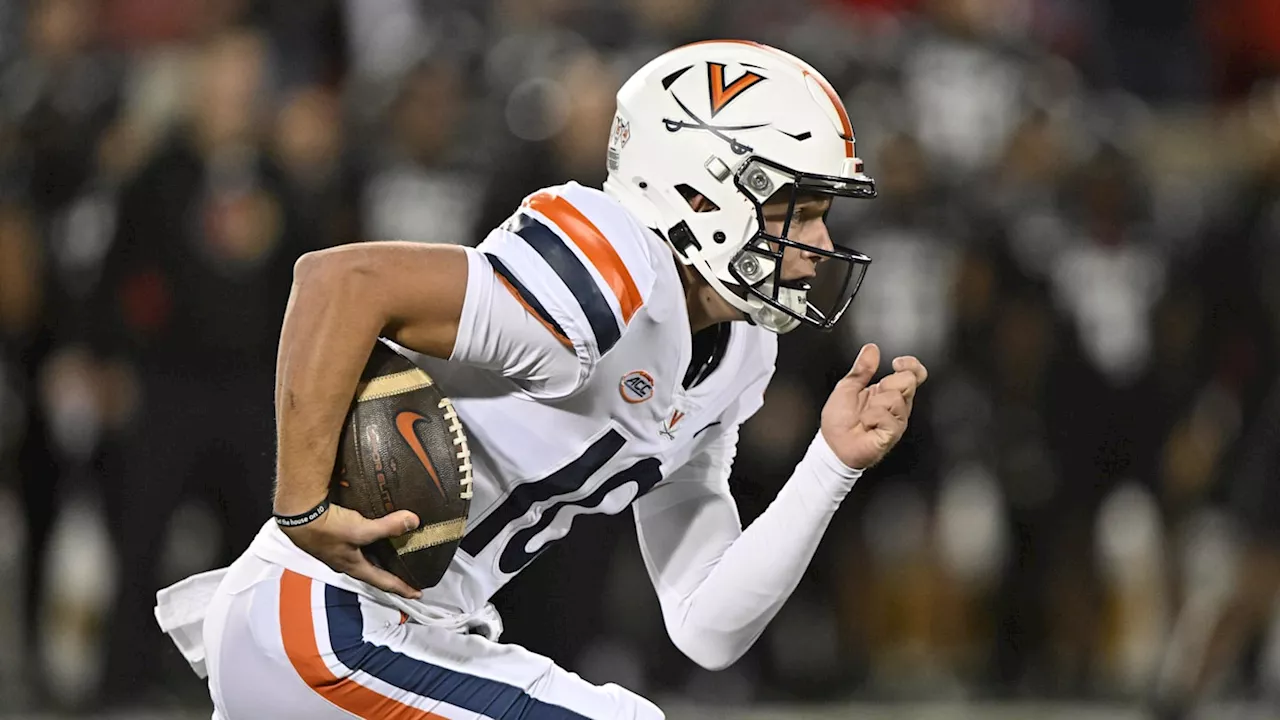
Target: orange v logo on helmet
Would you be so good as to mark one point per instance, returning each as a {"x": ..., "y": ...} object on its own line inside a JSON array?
[
  {"x": 721, "y": 94},
  {"x": 404, "y": 423}
]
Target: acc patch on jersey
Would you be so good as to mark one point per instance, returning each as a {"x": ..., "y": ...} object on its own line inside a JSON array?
[{"x": 636, "y": 386}]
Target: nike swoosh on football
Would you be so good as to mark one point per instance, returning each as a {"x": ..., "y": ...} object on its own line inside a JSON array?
[{"x": 404, "y": 423}]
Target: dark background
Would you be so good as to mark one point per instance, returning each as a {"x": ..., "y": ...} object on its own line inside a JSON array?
[{"x": 1078, "y": 231}]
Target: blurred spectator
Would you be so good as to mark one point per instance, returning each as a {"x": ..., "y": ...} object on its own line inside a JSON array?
[
  {"x": 964, "y": 86},
  {"x": 27, "y": 446},
  {"x": 906, "y": 305},
  {"x": 572, "y": 113},
  {"x": 1231, "y": 437},
  {"x": 1108, "y": 280},
  {"x": 424, "y": 185},
  {"x": 319, "y": 187},
  {"x": 192, "y": 296},
  {"x": 60, "y": 97}
]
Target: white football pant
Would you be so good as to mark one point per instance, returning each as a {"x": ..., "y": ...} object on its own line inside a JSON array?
[{"x": 281, "y": 645}]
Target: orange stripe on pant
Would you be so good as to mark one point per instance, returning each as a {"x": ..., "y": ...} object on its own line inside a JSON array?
[
  {"x": 298, "y": 631},
  {"x": 594, "y": 245}
]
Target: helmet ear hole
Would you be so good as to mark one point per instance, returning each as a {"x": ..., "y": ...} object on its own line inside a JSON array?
[{"x": 697, "y": 201}]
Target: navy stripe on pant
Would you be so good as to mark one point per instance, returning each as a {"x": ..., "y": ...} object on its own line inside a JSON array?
[{"x": 489, "y": 697}]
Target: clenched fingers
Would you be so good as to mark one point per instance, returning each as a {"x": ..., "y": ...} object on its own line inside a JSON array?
[
  {"x": 892, "y": 402},
  {"x": 874, "y": 418},
  {"x": 908, "y": 363},
  {"x": 903, "y": 384}
]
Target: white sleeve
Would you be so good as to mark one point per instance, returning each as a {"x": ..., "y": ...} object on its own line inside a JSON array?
[
  {"x": 500, "y": 333},
  {"x": 552, "y": 291},
  {"x": 719, "y": 586}
]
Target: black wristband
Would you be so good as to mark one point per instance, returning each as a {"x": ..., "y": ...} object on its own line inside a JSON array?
[{"x": 307, "y": 517}]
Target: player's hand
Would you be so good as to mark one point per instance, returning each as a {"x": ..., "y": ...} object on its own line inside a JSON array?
[
  {"x": 861, "y": 423},
  {"x": 336, "y": 537}
]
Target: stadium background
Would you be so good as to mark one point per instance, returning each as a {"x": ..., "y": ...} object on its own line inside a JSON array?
[{"x": 1078, "y": 231}]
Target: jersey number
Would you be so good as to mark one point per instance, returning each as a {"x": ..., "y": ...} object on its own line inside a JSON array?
[{"x": 566, "y": 481}]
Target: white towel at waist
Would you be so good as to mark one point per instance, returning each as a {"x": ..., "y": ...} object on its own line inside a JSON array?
[{"x": 181, "y": 608}]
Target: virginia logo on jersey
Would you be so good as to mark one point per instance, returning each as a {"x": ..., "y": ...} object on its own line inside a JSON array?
[
  {"x": 636, "y": 386},
  {"x": 668, "y": 430}
]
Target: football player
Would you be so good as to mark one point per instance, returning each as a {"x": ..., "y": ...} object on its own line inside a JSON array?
[{"x": 591, "y": 348}]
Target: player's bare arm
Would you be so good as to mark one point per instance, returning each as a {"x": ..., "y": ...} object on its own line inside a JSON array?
[{"x": 341, "y": 301}]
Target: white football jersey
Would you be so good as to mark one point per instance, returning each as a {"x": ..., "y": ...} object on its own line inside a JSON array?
[{"x": 585, "y": 412}]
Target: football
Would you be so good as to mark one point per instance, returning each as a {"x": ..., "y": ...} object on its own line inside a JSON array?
[{"x": 403, "y": 448}]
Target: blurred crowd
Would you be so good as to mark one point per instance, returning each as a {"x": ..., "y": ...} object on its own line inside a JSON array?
[{"x": 1078, "y": 231}]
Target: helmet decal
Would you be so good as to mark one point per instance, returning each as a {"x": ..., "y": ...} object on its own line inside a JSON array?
[
  {"x": 696, "y": 123},
  {"x": 722, "y": 95}
]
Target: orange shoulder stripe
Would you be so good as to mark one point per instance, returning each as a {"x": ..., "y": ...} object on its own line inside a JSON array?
[{"x": 594, "y": 245}]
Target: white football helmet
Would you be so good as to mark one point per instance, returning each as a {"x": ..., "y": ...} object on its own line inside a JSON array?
[{"x": 737, "y": 122}]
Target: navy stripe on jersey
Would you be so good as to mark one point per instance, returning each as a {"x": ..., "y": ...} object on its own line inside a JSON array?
[
  {"x": 525, "y": 295},
  {"x": 567, "y": 479},
  {"x": 490, "y": 698},
  {"x": 575, "y": 276}
]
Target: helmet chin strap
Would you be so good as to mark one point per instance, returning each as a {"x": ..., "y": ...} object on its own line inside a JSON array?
[
  {"x": 770, "y": 318},
  {"x": 756, "y": 310}
]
